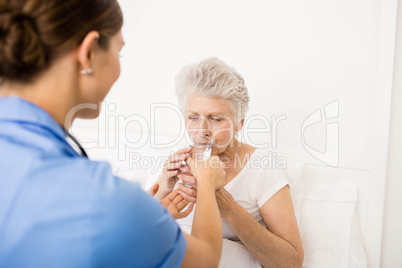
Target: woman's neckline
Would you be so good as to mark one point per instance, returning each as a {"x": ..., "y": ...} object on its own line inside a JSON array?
[{"x": 235, "y": 178}]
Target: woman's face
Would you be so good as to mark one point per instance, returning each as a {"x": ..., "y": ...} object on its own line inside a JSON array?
[{"x": 210, "y": 117}]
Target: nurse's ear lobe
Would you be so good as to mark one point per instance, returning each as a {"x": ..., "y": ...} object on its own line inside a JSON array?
[{"x": 85, "y": 51}]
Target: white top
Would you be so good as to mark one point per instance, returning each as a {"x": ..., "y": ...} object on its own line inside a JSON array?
[{"x": 255, "y": 184}]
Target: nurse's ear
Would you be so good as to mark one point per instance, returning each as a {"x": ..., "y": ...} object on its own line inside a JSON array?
[{"x": 85, "y": 52}]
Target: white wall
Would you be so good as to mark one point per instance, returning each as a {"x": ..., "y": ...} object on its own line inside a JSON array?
[
  {"x": 392, "y": 256},
  {"x": 296, "y": 57}
]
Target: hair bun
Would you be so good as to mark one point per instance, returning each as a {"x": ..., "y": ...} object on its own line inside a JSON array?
[{"x": 22, "y": 52}]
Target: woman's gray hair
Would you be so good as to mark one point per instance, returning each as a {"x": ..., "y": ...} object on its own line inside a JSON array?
[{"x": 213, "y": 78}]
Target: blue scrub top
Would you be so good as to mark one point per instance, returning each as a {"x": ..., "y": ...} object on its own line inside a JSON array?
[{"x": 58, "y": 209}]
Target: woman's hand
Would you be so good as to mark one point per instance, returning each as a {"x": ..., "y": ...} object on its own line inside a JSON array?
[
  {"x": 189, "y": 194},
  {"x": 168, "y": 178},
  {"x": 186, "y": 175},
  {"x": 174, "y": 203},
  {"x": 226, "y": 202}
]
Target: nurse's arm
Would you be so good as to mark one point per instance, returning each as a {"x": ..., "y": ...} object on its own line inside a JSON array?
[{"x": 204, "y": 245}]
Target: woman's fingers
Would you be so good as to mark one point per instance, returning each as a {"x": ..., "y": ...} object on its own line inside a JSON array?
[
  {"x": 184, "y": 150},
  {"x": 189, "y": 191},
  {"x": 187, "y": 178},
  {"x": 187, "y": 197},
  {"x": 183, "y": 193},
  {"x": 172, "y": 173},
  {"x": 185, "y": 169},
  {"x": 180, "y": 155},
  {"x": 173, "y": 166},
  {"x": 177, "y": 157}
]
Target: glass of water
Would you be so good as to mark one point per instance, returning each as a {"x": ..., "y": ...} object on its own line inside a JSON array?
[{"x": 201, "y": 151}]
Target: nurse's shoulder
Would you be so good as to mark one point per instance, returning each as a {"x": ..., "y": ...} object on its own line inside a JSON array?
[{"x": 120, "y": 215}]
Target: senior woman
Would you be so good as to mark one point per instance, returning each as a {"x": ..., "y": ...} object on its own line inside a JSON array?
[
  {"x": 58, "y": 208},
  {"x": 255, "y": 203}
]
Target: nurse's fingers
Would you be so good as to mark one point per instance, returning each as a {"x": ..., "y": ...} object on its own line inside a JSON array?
[
  {"x": 187, "y": 211},
  {"x": 182, "y": 205},
  {"x": 173, "y": 195},
  {"x": 178, "y": 198},
  {"x": 154, "y": 189}
]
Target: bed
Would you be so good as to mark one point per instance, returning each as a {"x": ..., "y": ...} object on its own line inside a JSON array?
[{"x": 331, "y": 207}]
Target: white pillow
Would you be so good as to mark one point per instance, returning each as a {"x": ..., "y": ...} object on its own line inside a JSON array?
[
  {"x": 326, "y": 230},
  {"x": 357, "y": 255},
  {"x": 235, "y": 254}
]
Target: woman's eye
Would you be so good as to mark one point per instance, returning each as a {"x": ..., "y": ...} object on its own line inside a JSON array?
[{"x": 216, "y": 119}]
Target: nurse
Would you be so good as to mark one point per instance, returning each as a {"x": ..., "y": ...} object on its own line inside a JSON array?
[{"x": 57, "y": 208}]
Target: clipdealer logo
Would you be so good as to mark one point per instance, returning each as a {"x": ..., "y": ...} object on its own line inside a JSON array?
[{"x": 328, "y": 117}]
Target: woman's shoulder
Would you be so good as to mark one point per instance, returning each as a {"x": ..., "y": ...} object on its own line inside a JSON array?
[
  {"x": 265, "y": 164},
  {"x": 248, "y": 148}
]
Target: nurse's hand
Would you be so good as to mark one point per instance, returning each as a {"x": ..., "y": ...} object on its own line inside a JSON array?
[
  {"x": 211, "y": 171},
  {"x": 168, "y": 178},
  {"x": 154, "y": 189},
  {"x": 174, "y": 203}
]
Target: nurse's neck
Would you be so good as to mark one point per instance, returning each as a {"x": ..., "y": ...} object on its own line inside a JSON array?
[{"x": 54, "y": 90}]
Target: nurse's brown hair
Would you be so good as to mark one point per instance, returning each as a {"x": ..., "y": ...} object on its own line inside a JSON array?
[{"x": 34, "y": 33}]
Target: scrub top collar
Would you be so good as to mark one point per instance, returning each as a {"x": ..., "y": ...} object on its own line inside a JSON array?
[{"x": 16, "y": 109}]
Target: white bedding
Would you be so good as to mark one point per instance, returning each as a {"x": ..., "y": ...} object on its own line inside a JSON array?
[
  {"x": 235, "y": 254},
  {"x": 328, "y": 224}
]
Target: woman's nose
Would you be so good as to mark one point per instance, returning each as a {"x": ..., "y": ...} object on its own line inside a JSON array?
[{"x": 204, "y": 127}]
